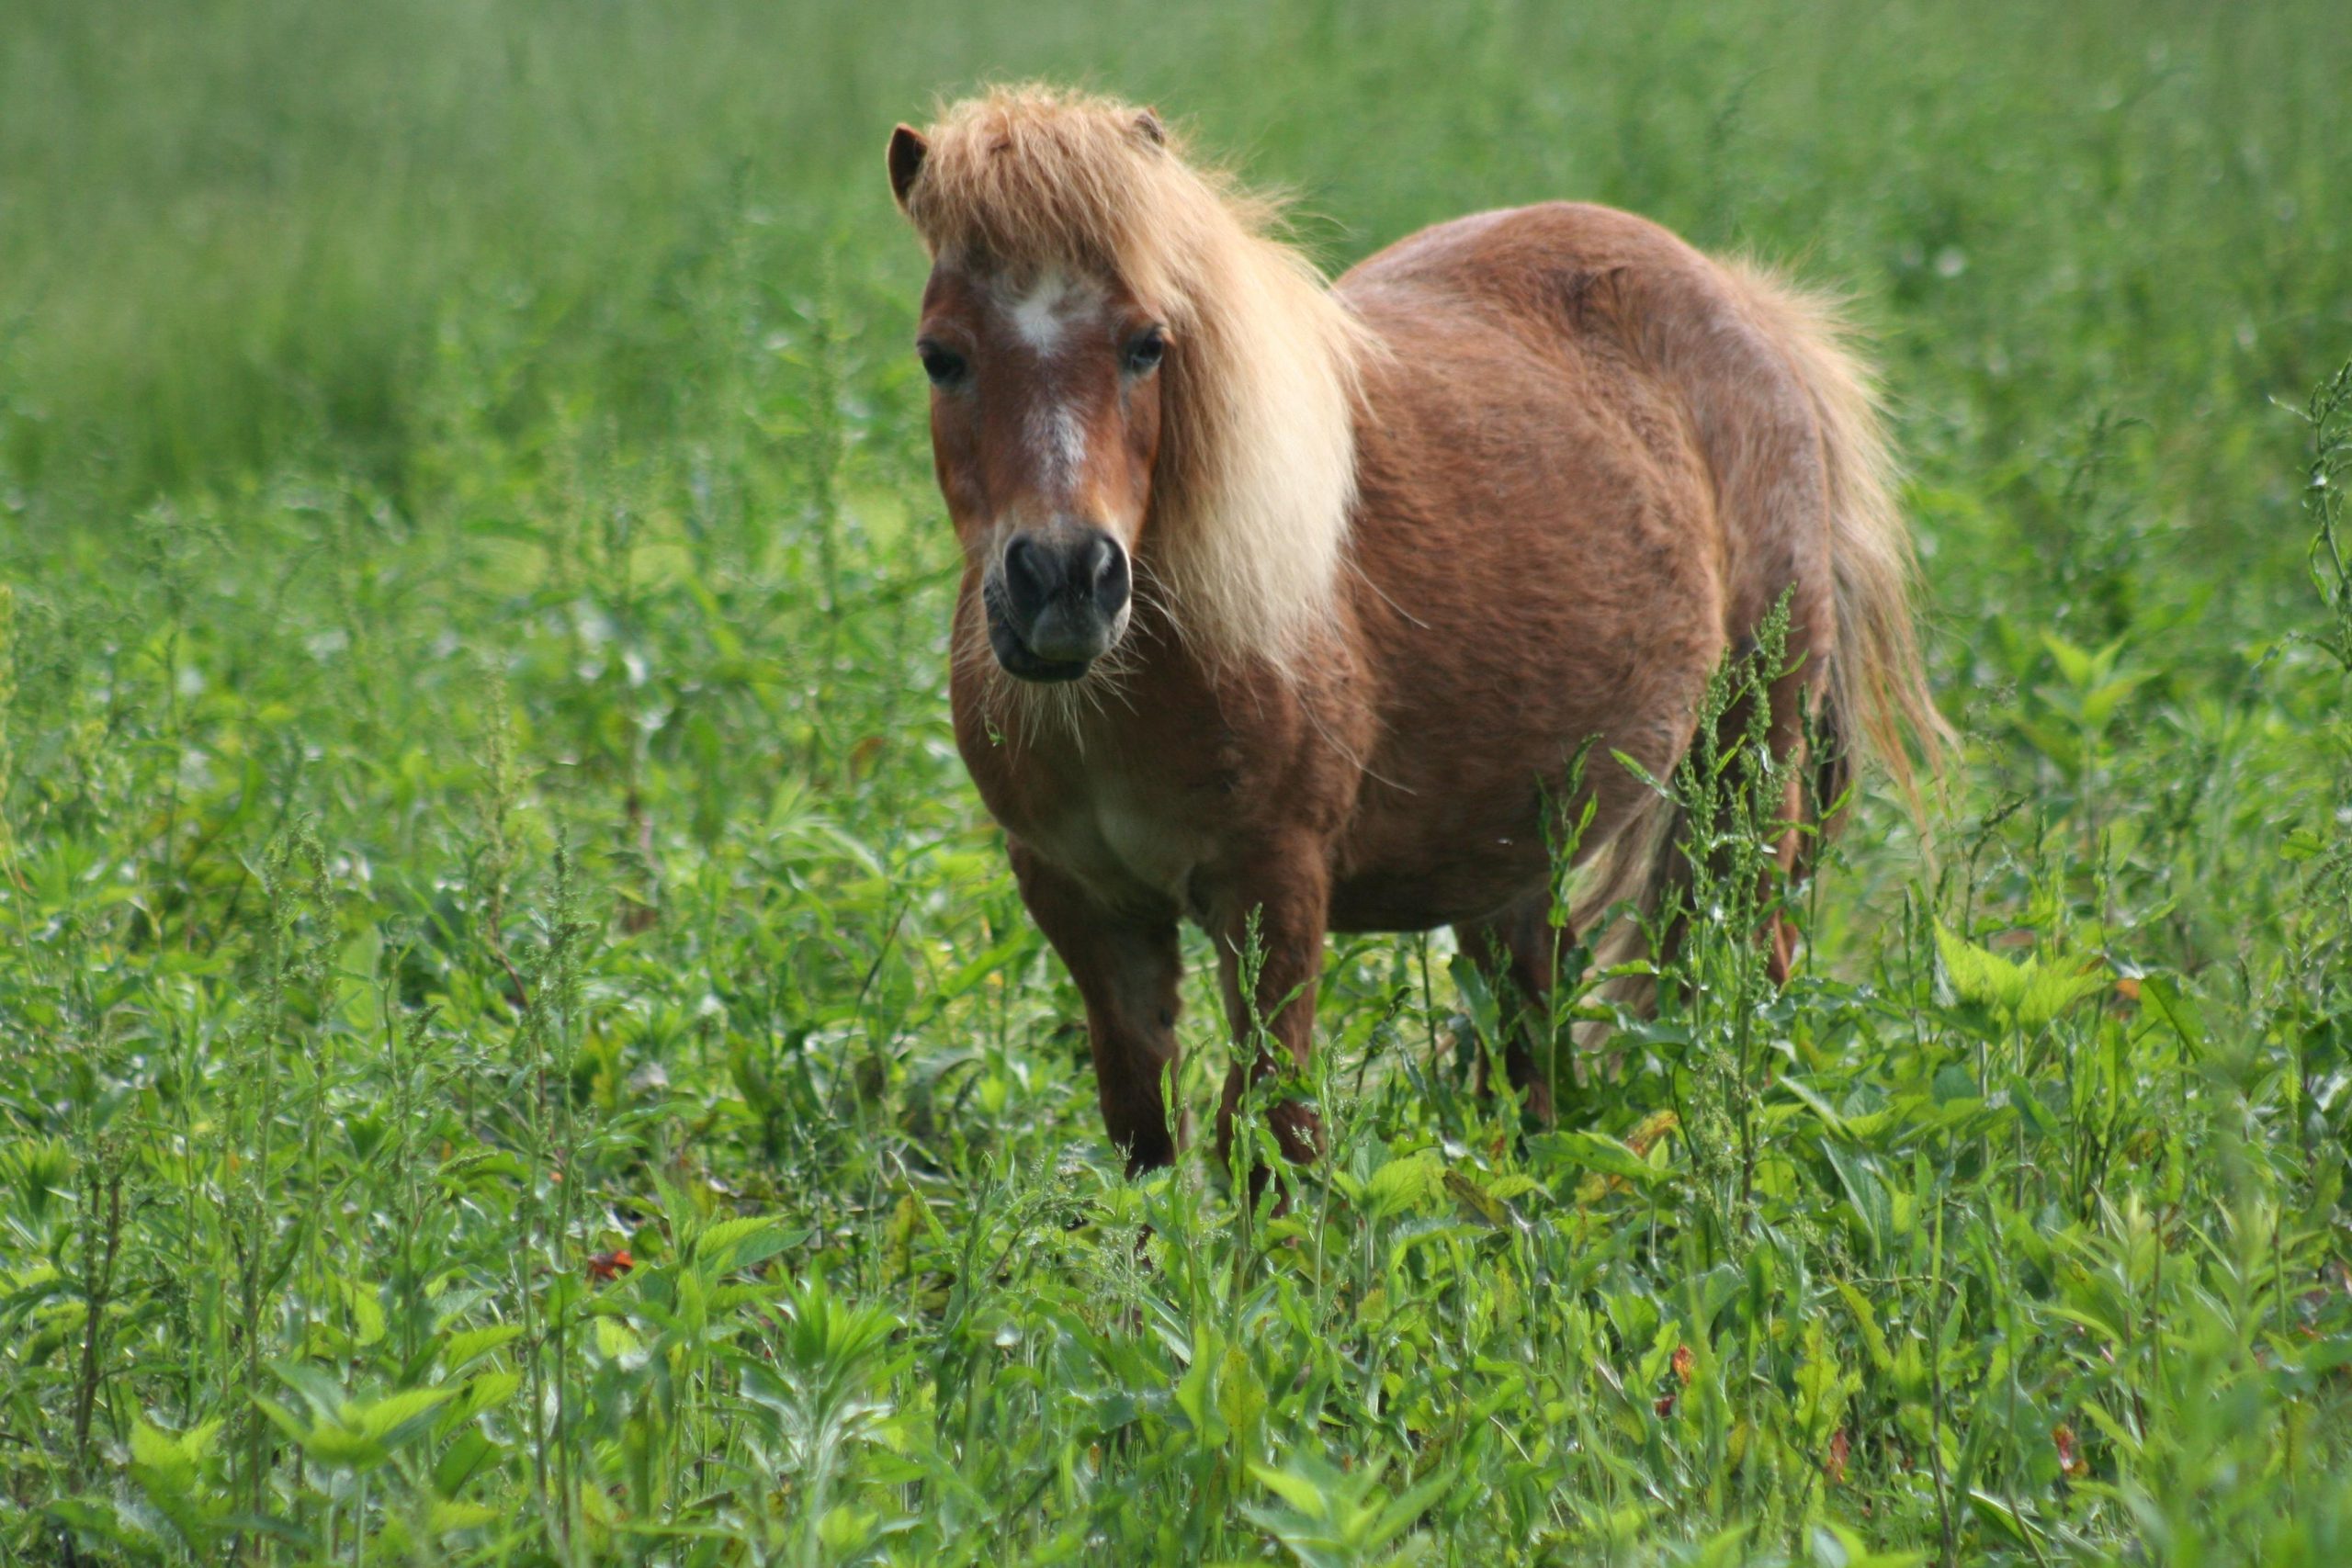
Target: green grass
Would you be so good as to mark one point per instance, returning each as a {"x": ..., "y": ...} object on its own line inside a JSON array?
[{"x": 476, "y": 798}]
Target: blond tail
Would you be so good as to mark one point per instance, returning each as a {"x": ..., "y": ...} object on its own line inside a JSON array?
[{"x": 1877, "y": 704}]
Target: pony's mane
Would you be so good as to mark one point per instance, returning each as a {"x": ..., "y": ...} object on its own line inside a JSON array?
[{"x": 1256, "y": 472}]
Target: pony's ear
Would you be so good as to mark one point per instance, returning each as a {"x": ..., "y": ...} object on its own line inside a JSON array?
[
  {"x": 907, "y": 151},
  {"x": 1147, "y": 126}
]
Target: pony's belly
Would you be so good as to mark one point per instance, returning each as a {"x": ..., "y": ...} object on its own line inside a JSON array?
[{"x": 1468, "y": 881}]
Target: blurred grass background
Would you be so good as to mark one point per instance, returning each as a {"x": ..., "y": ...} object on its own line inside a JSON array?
[{"x": 235, "y": 233}]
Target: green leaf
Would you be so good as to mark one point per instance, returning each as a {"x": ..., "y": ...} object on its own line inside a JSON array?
[
  {"x": 344, "y": 1448},
  {"x": 1995, "y": 1511},
  {"x": 165, "y": 1462},
  {"x": 2051, "y": 988},
  {"x": 2027, "y": 1097},
  {"x": 2175, "y": 1007},
  {"x": 367, "y": 1312},
  {"x": 719, "y": 1246},
  {"x": 1866, "y": 1193},
  {"x": 106, "y": 1523},
  {"x": 1195, "y": 1391},
  {"x": 1979, "y": 974},
  {"x": 2077, "y": 665},
  {"x": 1599, "y": 1151},
  {"x": 1866, "y": 1321},
  {"x": 1817, "y": 1105},
  {"x": 483, "y": 1393},
  {"x": 463, "y": 1348},
  {"x": 282, "y": 1418},
  {"x": 1293, "y": 1488},
  {"x": 152, "y": 1446},
  {"x": 1474, "y": 1200},
  {"x": 1399, "y": 1516},
  {"x": 463, "y": 1458},
  {"x": 399, "y": 1418},
  {"x": 447, "y": 1516},
  {"x": 1409, "y": 1181}
]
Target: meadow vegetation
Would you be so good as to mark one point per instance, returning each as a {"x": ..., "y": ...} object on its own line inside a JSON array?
[{"x": 517, "y": 1043}]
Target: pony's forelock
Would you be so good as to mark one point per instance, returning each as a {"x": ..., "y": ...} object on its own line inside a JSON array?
[{"x": 1256, "y": 474}]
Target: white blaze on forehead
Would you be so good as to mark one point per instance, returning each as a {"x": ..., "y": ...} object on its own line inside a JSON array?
[
  {"x": 1059, "y": 436},
  {"x": 1042, "y": 314}
]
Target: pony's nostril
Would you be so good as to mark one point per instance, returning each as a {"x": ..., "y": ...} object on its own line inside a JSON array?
[
  {"x": 1028, "y": 577},
  {"x": 1108, "y": 575},
  {"x": 1095, "y": 554}
]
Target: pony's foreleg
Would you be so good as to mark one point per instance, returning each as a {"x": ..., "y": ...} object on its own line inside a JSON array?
[
  {"x": 1273, "y": 933},
  {"x": 1127, "y": 966}
]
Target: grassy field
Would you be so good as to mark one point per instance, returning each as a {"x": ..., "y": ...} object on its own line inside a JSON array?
[{"x": 517, "y": 1044}]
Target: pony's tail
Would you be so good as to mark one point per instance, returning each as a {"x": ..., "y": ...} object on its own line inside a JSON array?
[{"x": 1875, "y": 703}]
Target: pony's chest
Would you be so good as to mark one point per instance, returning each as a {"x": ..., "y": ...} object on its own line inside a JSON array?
[
  {"x": 1117, "y": 834},
  {"x": 1156, "y": 808}
]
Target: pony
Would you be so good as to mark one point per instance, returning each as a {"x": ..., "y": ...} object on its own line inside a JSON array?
[{"x": 1290, "y": 607}]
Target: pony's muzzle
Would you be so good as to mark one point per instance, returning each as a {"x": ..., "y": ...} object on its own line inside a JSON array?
[{"x": 1057, "y": 602}]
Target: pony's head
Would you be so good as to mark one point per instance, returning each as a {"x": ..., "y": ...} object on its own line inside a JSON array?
[{"x": 1133, "y": 389}]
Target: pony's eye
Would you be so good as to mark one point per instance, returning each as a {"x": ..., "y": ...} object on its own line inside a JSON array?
[
  {"x": 941, "y": 365},
  {"x": 1146, "y": 351}
]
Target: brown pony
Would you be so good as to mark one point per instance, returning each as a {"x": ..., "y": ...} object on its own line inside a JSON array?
[{"x": 1292, "y": 604}]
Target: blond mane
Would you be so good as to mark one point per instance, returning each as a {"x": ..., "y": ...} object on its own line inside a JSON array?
[{"x": 1256, "y": 472}]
